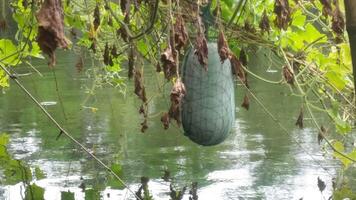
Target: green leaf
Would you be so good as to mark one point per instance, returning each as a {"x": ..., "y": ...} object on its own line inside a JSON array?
[
  {"x": 8, "y": 52},
  {"x": 4, "y": 139},
  {"x": 34, "y": 192}
]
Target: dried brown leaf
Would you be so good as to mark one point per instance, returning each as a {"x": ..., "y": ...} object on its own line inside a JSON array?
[
  {"x": 139, "y": 87},
  {"x": 243, "y": 57},
  {"x": 3, "y": 25},
  {"x": 165, "y": 120},
  {"x": 288, "y": 75},
  {"x": 96, "y": 17},
  {"x": 114, "y": 52},
  {"x": 201, "y": 50},
  {"x": 223, "y": 47},
  {"x": 180, "y": 33},
  {"x": 321, "y": 134},
  {"x": 106, "y": 55},
  {"x": 283, "y": 12},
  {"x": 51, "y": 28},
  {"x": 264, "y": 23},
  {"x": 158, "y": 68},
  {"x": 299, "y": 122},
  {"x": 327, "y": 10},
  {"x": 246, "y": 103},
  {"x": 177, "y": 94},
  {"x": 169, "y": 63},
  {"x": 131, "y": 61},
  {"x": 238, "y": 70},
  {"x": 144, "y": 125},
  {"x": 338, "y": 22},
  {"x": 122, "y": 33}
]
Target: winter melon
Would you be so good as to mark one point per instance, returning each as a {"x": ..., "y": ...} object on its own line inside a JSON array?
[{"x": 208, "y": 108}]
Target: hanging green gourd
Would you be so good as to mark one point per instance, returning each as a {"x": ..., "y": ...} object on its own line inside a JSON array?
[{"x": 208, "y": 107}]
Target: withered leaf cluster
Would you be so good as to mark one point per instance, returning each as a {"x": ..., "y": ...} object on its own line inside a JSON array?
[
  {"x": 321, "y": 134},
  {"x": 223, "y": 47},
  {"x": 201, "y": 50},
  {"x": 51, "y": 28},
  {"x": 300, "y": 119},
  {"x": 327, "y": 10},
  {"x": 121, "y": 32},
  {"x": 238, "y": 70},
  {"x": 288, "y": 75},
  {"x": 338, "y": 21},
  {"x": 177, "y": 94},
  {"x": 139, "y": 87},
  {"x": 180, "y": 33},
  {"x": 283, "y": 12},
  {"x": 131, "y": 61},
  {"x": 168, "y": 59},
  {"x": 109, "y": 54},
  {"x": 96, "y": 21},
  {"x": 264, "y": 23}
]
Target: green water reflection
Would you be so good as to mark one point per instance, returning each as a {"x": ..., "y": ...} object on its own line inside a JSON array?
[{"x": 257, "y": 161}]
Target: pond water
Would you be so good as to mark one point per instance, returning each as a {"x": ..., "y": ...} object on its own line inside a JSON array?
[{"x": 257, "y": 161}]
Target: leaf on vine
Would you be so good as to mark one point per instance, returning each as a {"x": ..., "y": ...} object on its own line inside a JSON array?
[
  {"x": 165, "y": 120},
  {"x": 283, "y": 12},
  {"x": 299, "y": 122},
  {"x": 264, "y": 23},
  {"x": 180, "y": 33},
  {"x": 223, "y": 47},
  {"x": 288, "y": 75},
  {"x": 201, "y": 50},
  {"x": 51, "y": 28},
  {"x": 321, "y": 134},
  {"x": 246, "y": 103},
  {"x": 243, "y": 57},
  {"x": 96, "y": 17},
  {"x": 169, "y": 63},
  {"x": 177, "y": 94},
  {"x": 139, "y": 87},
  {"x": 131, "y": 61},
  {"x": 327, "y": 10},
  {"x": 321, "y": 185},
  {"x": 238, "y": 70},
  {"x": 338, "y": 22},
  {"x": 80, "y": 64}
]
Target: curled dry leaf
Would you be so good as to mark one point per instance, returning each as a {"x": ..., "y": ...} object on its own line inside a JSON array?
[
  {"x": 338, "y": 22},
  {"x": 246, "y": 103},
  {"x": 299, "y": 122},
  {"x": 321, "y": 185},
  {"x": 122, "y": 33},
  {"x": 327, "y": 10},
  {"x": 180, "y": 33},
  {"x": 51, "y": 28},
  {"x": 131, "y": 61},
  {"x": 158, "y": 68},
  {"x": 106, "y": 56},
  {"x": 177, "y": 94},
  {"x": 144, "y": 125},
  {"x": 165, "y": 120},
  {"x": 169, "y": 63},
  {"x": 223, "y": 48},
  {"x": 288, "y": 75},
  {"x": 321, "y": 134},
  {"x": 264, "y": 23},
  {"x": 238, "y": 70},
  {"x": 139, "y": 87},
  {"x": 283, "y": 12},
  {"x": 201, "y": 50},
  {"x": 96, "y": 17}
]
